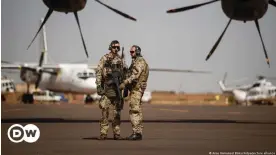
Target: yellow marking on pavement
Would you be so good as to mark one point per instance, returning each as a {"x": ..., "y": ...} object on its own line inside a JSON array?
[
  {"x": 174, "y": 110},
  {"x": 14, "y": 110}
]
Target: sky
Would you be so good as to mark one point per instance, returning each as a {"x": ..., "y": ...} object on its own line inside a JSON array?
[{"x": 177, "y": 41}]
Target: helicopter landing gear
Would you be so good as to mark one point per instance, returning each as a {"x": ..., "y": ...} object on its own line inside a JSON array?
[{"x": 88, "y": 99}]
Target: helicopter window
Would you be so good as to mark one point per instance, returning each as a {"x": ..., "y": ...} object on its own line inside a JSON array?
[
  {"x": 252, "y": 93},
  {"x": 256, "y": 85}
]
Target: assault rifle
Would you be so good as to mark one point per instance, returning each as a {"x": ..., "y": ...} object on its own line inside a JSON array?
[{"x": 115, "y": 78}]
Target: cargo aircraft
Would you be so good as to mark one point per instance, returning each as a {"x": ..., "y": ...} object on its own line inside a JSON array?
[{"x": 66, "y": 78}]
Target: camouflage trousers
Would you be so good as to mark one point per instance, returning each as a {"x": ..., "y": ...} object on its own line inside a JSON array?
[
  {"x": 107, "y": 105},
  {"x": 135, "y": 111}
]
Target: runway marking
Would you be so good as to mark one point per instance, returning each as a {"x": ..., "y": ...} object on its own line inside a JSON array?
[
  {"x": 174, "y": 110},
  {"x": 14, "y": 110},
  {"x": 235, "y": 113}
]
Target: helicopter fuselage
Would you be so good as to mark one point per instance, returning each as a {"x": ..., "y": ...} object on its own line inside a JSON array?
[
  {"x": 244, "y": 10},
  {"x": 65, "y": 5}
]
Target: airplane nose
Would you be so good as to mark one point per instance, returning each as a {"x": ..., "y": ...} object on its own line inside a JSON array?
[{"x": 239, "y": 95}]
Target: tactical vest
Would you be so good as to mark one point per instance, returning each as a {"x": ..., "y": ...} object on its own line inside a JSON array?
[
  {"x": 111, "y": 65},
  {"x": 143, "y": 78}
]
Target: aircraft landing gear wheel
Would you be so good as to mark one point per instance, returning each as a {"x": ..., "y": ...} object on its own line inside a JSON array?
[
  {"x": 88, "y": 99},
  {"x": 28, "y": 98}
]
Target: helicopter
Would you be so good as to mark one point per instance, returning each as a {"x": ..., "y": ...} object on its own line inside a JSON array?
[
  {"x": 259, "y": 92},
  {"x": 240, "y": 10},
  {"x": 74, "y": 6}
]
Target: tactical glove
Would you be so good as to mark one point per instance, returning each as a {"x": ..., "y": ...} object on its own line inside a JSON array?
[
  {"x": 100, "y": 90},
  {"x": 122, "y": 86}
]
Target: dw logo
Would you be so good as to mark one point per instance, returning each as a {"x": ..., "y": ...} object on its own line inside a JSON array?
[{"x": 29, "y": 133}]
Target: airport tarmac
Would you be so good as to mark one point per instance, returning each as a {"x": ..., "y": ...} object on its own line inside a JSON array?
[{"x": 67, "y": 129}]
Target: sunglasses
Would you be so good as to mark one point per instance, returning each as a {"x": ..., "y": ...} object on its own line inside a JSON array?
[
  {"x": 116, "y": 47},
  {"x": 131, "y": 52}
]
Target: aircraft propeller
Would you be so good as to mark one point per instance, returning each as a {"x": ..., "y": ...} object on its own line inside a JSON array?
[
  {"x": 117, "y": 11},
  {"x": 50, "y": 11},
  {"x": 258, "y": 28},
  {"x": 186, "y": 8},
  {"x": 272, "y": 2}
]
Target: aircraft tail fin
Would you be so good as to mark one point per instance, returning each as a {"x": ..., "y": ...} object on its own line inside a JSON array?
[
  {"x": 222, "y": 86},
  {"x": 222, "y": 83}
]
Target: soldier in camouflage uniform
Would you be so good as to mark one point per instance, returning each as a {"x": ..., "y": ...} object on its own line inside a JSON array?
[
  {"x": 108, "y": 101},
  {"x": 136, "y": 82}
]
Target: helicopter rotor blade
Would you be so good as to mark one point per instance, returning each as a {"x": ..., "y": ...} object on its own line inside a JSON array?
[
  {"x": 77, "y": 19},
  {"x": 259, "y": 31},
  {"x": 272, "y": 2},
  {"x": 48, "y": 14},
  {"x": 117, "y": 11},
  {"x": 265, "y": 77},
  {"x": 218, "y": 41},
  {"x": 189, "y": 7}
]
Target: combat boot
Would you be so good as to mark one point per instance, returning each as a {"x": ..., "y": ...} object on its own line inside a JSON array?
[
  {"x": 118, "y": 137},
  {"x": 135, "y": 136},
  {"x": 102, "y": 137}
]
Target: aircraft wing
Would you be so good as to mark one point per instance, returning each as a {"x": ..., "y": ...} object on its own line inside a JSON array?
[
  {"x": 167, "y": 70},
  {"x": 47, "y": 68},
  {"x": 177, "y": 70},
  {"x": 10, "y": 66},
  {"x": 34, "y": 66}
]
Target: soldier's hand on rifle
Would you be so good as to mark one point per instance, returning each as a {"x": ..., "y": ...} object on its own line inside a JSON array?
[
  {"x": 100, "y": 90},
  {"x": 122, "y": 86}
]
